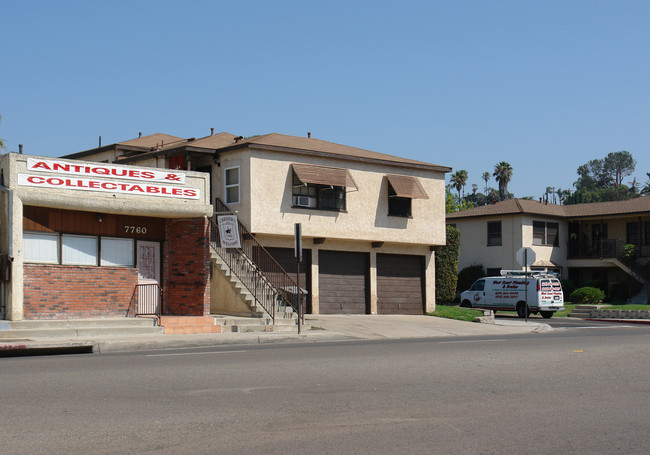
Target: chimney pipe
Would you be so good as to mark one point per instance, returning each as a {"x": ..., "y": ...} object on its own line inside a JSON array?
[
  {"x": 308, "y": 134},
  {"x": 211, "y": 131},
  {"x": 140, "y": 134},
  {"x": 100, "y": 141},
  {"x": 20, "y": 148}
]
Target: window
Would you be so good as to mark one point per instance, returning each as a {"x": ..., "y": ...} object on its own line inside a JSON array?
[
  {"x": 317, "y": 196},
  {"x": 78, "y": 250},
  {"x": 646, "y": 233},
  {"x": 478, "y": 285},
  {"x": 494, "y": 233},
  {"x": 41, "y": 247},
  {"x": 632, "y": 233},
  {"x": 545, "y": 233},
  {"x": 231, "y": 179},
  {"x": 117, "y": 252},
  {"x": 402, "y": 189}
]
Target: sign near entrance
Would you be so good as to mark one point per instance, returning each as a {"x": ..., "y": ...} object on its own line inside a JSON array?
[
  {"x": 105, "y": 170},
  {"x": 228, "y": 231}
]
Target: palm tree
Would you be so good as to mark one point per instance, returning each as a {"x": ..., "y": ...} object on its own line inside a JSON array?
[
  {"x": 646, "y": 187},
  {"x": 486, "y": 177},
  {"x": 459, "y": 180},
  {"x": 502, "y": 174}
]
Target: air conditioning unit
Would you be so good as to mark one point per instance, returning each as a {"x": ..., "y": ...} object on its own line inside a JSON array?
[{"x": 304, "y": 201}]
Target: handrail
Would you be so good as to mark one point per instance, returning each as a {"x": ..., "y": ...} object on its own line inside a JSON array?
[{"x": 254, "y": 266}]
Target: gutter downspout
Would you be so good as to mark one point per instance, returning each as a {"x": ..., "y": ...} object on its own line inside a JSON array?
[{"x": 10, "y": 239}]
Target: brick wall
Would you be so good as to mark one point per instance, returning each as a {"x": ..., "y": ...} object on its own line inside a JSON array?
[
  {"x": 186, "y": 267},
  {"x": 64, "y": 291}
]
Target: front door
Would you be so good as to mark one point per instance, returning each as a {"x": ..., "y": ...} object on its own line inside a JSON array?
[{"x": 148, "y": 277}]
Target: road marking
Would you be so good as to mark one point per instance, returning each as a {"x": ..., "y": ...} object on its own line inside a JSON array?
[
  {"x": 471, "y": 341},
  {"x": 602, "y": 327},
  {"x": 193, "y": 353}
]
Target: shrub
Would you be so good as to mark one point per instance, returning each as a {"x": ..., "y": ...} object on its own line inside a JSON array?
[
  {"x": 587, "y": 295},
  {"x": 447, "y": 267},
  {"x": 468, "y": 275}
]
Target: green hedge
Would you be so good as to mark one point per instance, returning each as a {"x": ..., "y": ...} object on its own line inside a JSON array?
[
  {"x": 587, "y": 295},
  {"x": 447, "y": 267}
]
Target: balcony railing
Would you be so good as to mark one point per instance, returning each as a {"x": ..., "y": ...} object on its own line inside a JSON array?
[{"x": 594, "y": 250}]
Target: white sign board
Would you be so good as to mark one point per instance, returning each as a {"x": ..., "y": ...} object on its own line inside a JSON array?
[
  {"x": 228, "y": 231},
  {"x": 526, "y": 256}
]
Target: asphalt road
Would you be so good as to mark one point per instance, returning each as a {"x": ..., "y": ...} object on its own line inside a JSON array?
[{"x": 564, "y": 392}]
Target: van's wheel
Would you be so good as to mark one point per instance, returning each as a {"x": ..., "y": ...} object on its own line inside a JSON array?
[
  {"x": 465, "y": 304},
  {"x": 521, "y": 309},
  {"x": 546, "y": 314}
]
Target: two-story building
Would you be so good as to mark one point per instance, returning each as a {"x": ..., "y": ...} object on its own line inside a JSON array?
[
  {"x": 370, "y": 221},
  {"x": 582, "y": 242}
]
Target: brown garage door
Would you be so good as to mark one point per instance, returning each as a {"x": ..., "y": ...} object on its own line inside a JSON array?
[
  {"x": 343, "y": 281},
  {"x": 285, "y": 257},
  {"x": 400, "y": 284}
]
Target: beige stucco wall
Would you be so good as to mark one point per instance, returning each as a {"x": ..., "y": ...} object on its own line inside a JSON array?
[
  {"x": 516, "y": 232},
  {"x": 365, "y": 218}
]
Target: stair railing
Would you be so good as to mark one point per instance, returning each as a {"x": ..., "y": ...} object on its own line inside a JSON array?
[{"x": 269, "y": 284}]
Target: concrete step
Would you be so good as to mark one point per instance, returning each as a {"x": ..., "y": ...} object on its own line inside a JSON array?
[
  {"x": 175, "y": 325},
  {"x": 71, "y": 328},
  {"x": 230, "y": 324}
]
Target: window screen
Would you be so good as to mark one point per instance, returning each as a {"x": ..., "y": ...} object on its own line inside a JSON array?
[
  {"x": 117, "y": 252},
  {"x": 78, "y": 250},
  {"x": 41, "y": 247}
]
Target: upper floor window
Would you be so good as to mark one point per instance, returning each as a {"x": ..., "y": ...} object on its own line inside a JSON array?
[
  {"x": 231, "y": 179},
  {"x": 494, "y": 233},
  {"x": 320, "y": 187},
  {"x": 545, "y": 233},
  {"x": 402, "y": 189}
]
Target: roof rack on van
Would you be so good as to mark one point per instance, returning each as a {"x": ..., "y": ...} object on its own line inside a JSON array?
[{"x": 532, "y": 273}]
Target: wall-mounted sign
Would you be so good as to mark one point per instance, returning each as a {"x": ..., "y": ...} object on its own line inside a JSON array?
[
  {"x": 108, "y": 186},
  {"x": 228, "y": 231},
  {"x": 105, "y": 170}
]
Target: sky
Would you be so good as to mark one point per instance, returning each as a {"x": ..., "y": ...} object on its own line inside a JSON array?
[{"x": 543, "y": 85}]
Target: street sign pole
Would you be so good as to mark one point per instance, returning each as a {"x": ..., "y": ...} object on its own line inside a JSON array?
[
  {"x": 298, "y": 254},
  {"x": 526, "y": 281}
]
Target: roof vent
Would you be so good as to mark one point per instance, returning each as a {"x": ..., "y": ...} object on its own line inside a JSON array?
[
  {"x": 308, "y": 134},
  {"x": 140, "y": 134},
  {"x": 239, "y": 138},
  {"x": 211, "y": 131}
]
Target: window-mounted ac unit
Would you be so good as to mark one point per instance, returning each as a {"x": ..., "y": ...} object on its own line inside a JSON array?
[{"x": 304, "y": 201}]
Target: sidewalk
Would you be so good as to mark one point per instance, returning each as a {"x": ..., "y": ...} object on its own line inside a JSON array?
[{"x": 324, "y": 328}]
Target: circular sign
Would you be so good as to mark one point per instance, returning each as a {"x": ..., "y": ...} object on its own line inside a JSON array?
[{"x": 525, "y": 256}]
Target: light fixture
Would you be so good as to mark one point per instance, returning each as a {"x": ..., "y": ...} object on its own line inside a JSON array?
[{"x": 100, "y": 217}]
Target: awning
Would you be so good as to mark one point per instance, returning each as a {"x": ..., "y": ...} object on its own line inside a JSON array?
[
  {"x": 323, "y": 175},
  {"x": 544, "y": 263},
  {"x": 406, "y": 186}
]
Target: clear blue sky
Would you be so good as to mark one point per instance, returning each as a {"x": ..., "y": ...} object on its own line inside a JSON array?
[{"x": 544, "y": 85}]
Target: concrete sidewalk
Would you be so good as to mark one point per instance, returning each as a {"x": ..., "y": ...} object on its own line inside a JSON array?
[{"x": 324, "y": 328}]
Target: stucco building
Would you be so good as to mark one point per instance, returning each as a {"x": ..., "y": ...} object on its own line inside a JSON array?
[
  {"x": 582, "y": 242},
  {"x": 134, "y": 228},
  {"x": 370, "y": 221}
]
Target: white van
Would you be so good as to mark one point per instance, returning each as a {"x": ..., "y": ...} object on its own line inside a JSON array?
[{"x": 511, "y": 290}]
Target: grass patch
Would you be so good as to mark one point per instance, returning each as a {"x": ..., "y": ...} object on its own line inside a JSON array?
[
  {"x": 454, "y": 312},
  {"x": 627, "y": 307}
]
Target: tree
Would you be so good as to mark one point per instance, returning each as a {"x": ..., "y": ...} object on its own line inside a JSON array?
[
  {"x": 486, "y": 177},
  {"x": 459, "y": 180},
  {"x": 502, "y": 173},
  {"x": 618, "y": 165},
  {"x": 447, "y": 266},
  {"x": 646, "y": 187}
]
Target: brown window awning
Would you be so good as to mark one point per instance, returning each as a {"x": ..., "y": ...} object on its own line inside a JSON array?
[
  {"x": 323, "y": 175},
  {"x": 406, "y": 186}
]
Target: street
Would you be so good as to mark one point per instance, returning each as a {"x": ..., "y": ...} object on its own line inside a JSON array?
[{"x": 567, "y": 391}]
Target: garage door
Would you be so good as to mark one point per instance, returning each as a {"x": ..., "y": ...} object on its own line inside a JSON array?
[
  {"x": 285, "y": 257},
  {"x": 400, "y": 280},
  {"x": 343, "y": 282}
]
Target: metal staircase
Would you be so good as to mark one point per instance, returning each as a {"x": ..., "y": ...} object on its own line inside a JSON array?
[{"x": 260, "y": 281}]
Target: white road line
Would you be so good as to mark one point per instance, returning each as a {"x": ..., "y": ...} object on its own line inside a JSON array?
[
  {"x": 600, "y": 327},
  {"x": 471, "y": 341},
  {"x": 193, "y": 353}
]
